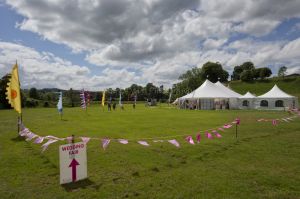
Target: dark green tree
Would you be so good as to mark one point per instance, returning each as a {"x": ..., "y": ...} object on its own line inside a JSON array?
[
  {"x": 247, "y": 76},
  {"x": 236, "y": 75},
  {"x": 248, "y": 66},
  {"x": 282, "y": 70},
  {"x": 33, "y": 93},
  {"x": 3, "y": 84},
  {"x": 265, "y": 72},
  {"x": 192, "y": 78},
  {"x": 214, "y": 72}
]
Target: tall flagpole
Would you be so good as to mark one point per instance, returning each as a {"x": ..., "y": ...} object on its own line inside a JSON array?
[{"x": 20, "y": 114}]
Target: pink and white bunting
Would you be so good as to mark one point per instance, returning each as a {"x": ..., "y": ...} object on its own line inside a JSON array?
[
  {"x": 123, "y": 141},
  {"x": 198, "y": 138},
  {"x": 105, "y": 143},
  {"x": 221, "y": 129},
  {"x": 144, "y": 143},
  {"x": 39, "y": 140},
  {"x": 174, "y": 142},
  {"x": 30, "y": 136},
  {"x": 209, "y": 136},
  {"x": 227, "y": 126},
  {"x": 190, "y": 140},
  {"x": 274, "y": 122},
  {"x": 45, "y": 146},
  {"x": 85, "y": 140}
]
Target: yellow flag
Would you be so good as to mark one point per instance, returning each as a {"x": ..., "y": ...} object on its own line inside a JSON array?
[
  {"x": 103, "y": 98},
  {"x": 13, "y": 93}
]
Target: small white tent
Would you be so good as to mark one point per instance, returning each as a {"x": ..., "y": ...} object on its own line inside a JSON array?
[
  {"x": 276, "y": 99},
  {"x": 208, "y": 96},
  {"x": 247, "y": 101}
]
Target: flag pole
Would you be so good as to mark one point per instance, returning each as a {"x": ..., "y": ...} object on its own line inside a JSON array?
[{"x": 20, "y": 114}]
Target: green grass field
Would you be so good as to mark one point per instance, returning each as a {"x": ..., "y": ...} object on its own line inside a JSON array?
[{"x": 262, "y": 163}]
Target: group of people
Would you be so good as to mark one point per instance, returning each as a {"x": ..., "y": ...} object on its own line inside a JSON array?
[{"x": 113, "y": 105}]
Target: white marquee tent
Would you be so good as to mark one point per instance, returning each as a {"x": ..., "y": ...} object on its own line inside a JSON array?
[
  {"x": 276, "y": 99},
  {"x": 210, "y": 96},
  {"x": 247, "y": 101}
]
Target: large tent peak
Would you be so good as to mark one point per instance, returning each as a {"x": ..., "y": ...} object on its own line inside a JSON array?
[{"x": 275, "y": 92}]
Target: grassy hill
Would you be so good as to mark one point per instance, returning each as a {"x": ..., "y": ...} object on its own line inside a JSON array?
[{"x": 289, "y": 85}]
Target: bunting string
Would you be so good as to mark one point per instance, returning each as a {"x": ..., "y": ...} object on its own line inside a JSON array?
[{"x": 209, "y": 134}]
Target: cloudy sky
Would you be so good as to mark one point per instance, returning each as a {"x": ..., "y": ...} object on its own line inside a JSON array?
[{"x": 97, "y": 44}]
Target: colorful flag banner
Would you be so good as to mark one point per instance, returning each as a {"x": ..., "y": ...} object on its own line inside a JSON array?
[
  {"x": 174, "y": 142},
  {"x": 87, "y": 97},
  {"x": 59, "y": 104},
  {"x": 85, "y": 140},
  {"x": 123, "y": 141},
  {"x": 105, "y": 143},
  {"x": 190, "y": 140},
  {"x": 144, "y": 143},
  {"x": 13, "y": 93},
  {"x": 45, "y": 146},
  {"x": 170, "y": 96},
  {"x": 103, "y": 99},
  {"x": 83, "y": 100}
]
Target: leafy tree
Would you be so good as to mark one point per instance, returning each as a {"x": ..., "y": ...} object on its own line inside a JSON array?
[
  {"x": 213, "y": 72},
  {"x": 151, "y": 90},
  {"x": 3, "y": 84},
  {"x": 192, "y": 78},
  {"x": 33, "y": 93},
  {"x": 265, "y": 72},
  {"x": 236, "y": 75},
  {"x": 256, "y": 73},
  {"x": 248, "y": 66},
  {"x": 247, "y": 76},
  {"x": 282, "y": 70}
]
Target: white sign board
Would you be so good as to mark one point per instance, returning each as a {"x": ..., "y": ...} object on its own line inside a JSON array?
[{"x": 73, "y": 165}]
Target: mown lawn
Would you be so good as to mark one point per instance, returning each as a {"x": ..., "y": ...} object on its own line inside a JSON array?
[{"x": 262, "y": 163}]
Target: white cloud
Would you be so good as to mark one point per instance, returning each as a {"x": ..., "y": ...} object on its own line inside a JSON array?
[
  {"x": 158, "y": 40},
  {"x": 44, "y": 69}
]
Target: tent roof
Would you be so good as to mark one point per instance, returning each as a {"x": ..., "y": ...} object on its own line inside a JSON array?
[
  {"x": 227, "y": 90},
  {"x": 208, "y": 90},
  {"x": 248, "y": 95},
  {"x": 276, "y": 92}
]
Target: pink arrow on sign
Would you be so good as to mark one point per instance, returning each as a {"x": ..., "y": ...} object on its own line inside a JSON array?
[{"x": 74, "y": 164}]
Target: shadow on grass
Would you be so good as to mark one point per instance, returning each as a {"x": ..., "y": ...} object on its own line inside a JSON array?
[
  {"x": 82, "y": 184},
  {"x": 17, "y": 139}
]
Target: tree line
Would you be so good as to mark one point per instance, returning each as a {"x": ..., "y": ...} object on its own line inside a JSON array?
[{"x": 189, "y": 81}]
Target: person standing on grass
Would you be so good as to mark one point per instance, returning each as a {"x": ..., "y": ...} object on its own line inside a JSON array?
[
  {"x": 109, "y": 104},
  {"x": 114, "y": 105}
]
